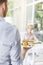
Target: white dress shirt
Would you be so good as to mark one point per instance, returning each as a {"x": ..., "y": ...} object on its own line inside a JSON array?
[{"x": 9, "y": 44}]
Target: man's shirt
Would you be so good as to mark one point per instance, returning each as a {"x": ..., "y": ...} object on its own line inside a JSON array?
[{"x": 9, "y": 44}]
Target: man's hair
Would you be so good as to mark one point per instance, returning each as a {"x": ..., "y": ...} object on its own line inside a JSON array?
[{"x": 1, "y": 1}]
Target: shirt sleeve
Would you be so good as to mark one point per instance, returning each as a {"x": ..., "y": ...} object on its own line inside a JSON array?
[{"x": 16, "y": 50}]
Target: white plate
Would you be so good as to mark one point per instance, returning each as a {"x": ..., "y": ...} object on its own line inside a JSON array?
[{"x": 27, "y": 46}]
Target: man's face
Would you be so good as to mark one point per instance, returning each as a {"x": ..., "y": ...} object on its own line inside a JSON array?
[{"x": 5, "y": 9}]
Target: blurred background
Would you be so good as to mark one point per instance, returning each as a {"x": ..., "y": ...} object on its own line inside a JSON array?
[{"x": 23, "y": 12}]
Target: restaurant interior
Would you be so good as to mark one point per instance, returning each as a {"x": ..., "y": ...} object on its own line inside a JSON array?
[{"x": 27, "y": 15}]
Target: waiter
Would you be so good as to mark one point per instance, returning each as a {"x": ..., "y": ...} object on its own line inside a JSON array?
[{"x": 9, "y": 39}]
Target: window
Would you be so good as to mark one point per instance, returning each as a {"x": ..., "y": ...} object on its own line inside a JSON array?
[
  {"x": 39, "y": 14},
  {"x": 34, "y": 12},
  {"x": 29, "y": 11}
]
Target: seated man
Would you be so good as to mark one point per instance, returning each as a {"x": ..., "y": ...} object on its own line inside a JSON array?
[{"x": 34, "y": 56}]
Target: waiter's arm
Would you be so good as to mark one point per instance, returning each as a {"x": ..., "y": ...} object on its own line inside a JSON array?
[{"x": 16, "y": 50}]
